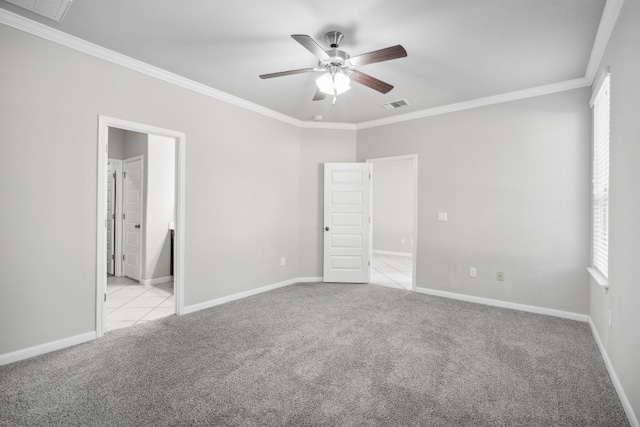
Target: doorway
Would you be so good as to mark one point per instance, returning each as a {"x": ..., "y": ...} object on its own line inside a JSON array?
[
  {"x": 133, "y": 273},
  {"x": 394, "y": 221}
]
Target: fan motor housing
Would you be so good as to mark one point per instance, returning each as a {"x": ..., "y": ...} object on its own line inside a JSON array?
[{"x": 338, "y": 58}]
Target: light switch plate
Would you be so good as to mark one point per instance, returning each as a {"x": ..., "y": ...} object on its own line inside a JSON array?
[{"x": 442, "y": 217}]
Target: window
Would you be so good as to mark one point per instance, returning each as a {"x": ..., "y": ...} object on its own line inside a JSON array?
[{"x": 600, "y": 220}]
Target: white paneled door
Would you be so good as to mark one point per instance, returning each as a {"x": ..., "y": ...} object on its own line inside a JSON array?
[
  {"x": 132, "y": 223},
  {"x": 347, "y": 229}
]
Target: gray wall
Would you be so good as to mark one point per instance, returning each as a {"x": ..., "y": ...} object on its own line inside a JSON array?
[
  {"x": 117, "y": 138},
  {"x": 316, "y": 148},
  {"x": 124, "y": 144},
  {"x": 135, "y": 144},
  {"x": 514, "y": 180},
  {"x": 392, "y": 214},
  {"x": 242, "y": 191},
  {"x": 621, "y": 341}
]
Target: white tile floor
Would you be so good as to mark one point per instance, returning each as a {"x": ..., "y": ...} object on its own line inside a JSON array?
[
  {"x": 392, "y": 271},
  {"x": 130, "y": 303}
]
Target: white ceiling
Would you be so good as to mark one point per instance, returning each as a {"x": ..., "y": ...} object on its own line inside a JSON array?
[{"x": 458, "y": 50}]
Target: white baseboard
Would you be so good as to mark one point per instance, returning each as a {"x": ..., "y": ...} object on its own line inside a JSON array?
[
  {"x": 633, "y": 420},
  {"x": 504, "y": 304},
  {"x": 37, "y": 350},
  {"x": 309, "y": 280},
  {"x": 405, "y": 254},
  {"x": 240, "y": 295},
  {"x": 89, "y": 336},
  {"x": 157, "y": 280}
]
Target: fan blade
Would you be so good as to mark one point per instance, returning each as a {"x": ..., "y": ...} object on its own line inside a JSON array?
[
  {"x": 319, "y": 96},
  {"x": 387, "y": 54},
  {"x": 287, "y": 73},
  {"x": 372, "y": 82},
  {"x": 313, "y": 47}
]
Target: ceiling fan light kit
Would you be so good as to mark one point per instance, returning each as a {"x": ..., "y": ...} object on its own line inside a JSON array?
[
  {"x": 339, "y": 68},
  {"x": 333, "y": 84}
]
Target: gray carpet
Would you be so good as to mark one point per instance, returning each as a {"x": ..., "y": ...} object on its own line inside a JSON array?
[{"x": 323, "y": 354}]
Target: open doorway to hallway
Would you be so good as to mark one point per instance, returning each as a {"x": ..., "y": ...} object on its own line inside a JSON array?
[
  {"x": 394, "y": 221},
  {"x": 141, "y": 184},
  {"x": 144, "y": 256}
]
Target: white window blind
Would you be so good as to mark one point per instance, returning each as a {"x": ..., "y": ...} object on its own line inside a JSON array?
[{"x": 601, "y": 179}]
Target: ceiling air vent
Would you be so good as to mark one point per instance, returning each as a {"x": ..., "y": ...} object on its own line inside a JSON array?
[
  {"x": 52, "y": 9},
  {"x": 395, "y": 104}
]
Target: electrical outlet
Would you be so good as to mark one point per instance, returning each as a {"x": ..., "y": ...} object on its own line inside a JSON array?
[
  {"x": 500, "y": 276},
  {"x": 472, "y": 272},
  {"x": 283, "y": 261}
]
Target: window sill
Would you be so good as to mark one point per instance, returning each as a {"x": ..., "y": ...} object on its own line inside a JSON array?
[{"x": 599, "y": 278}]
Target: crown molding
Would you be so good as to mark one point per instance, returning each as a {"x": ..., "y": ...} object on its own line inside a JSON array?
[
  {"x": 607, "y": 23},
  {"x": 40, "y": 30},
  {"x": 480, "y": 102},
  {"x": 328, "y": 125},
  {"x": 605, "y": 29}
]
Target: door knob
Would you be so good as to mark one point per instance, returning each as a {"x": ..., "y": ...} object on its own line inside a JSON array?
[
  {"x": 137, "y": 225},
  {"x": 326, "y": 228}
]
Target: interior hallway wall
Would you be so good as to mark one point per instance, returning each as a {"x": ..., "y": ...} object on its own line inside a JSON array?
[
  {"x": 514, "y": 179},
  {"x": 117, "y": 138},
  {"x": 159, "y": 207},
  {"x": 393, "y": 194}
]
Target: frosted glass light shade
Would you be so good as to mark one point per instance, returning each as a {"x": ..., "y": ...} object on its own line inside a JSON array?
[{"x": 326, "y": 83}]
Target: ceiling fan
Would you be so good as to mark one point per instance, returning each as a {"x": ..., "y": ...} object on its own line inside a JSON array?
[{"x": 338, "y": 68}]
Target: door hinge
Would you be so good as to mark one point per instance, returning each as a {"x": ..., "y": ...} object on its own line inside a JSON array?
[
  {"x": 124, "y": 216},
  {"x": 105, "y": 297},
  {"x": 123, "y": 257},
  {"x": 114, "y": 175},
  {"x": 369, "y": 263},
  {"x": 113, "y": 216},
  {"x": 113, "y": 257},
  {"x": 124, "y": 174}
]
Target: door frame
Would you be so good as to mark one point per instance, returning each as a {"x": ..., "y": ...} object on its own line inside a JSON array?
[
  {"x": 117, "y": 222},
  {"x": 414, "y": 233},
  {"x": 123, "y": 221},
  {"x": 104, "y": 123}
]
